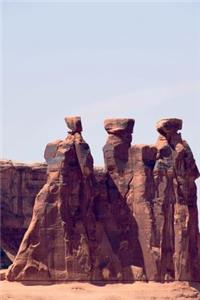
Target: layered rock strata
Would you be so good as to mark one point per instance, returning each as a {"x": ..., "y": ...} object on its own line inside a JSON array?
[{"x": 135, "y": 220}]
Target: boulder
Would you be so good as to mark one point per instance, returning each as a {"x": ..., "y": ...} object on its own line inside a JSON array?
[{"x": 74, "y": 124}]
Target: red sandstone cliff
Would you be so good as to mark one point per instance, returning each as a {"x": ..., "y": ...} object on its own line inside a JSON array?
[
  {"x": 19, "y": 185},
  {"x": 136, "y": 220}
]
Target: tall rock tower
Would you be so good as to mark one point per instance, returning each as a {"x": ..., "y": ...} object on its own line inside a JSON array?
[{"x": 137, "y": 219}]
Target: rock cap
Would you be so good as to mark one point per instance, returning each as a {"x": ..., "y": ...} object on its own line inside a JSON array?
[
  {"x": 169, "y": 126},
  {"x": 74, "y": 124},
  {"x": 115, "y": 126}
]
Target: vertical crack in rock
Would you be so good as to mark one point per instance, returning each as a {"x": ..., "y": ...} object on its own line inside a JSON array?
[{"x": 19, "y": 198}]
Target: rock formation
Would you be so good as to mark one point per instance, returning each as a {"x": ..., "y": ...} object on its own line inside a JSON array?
[
  {"x": 176, "y": 203},
  {"x": 19, "y": 185},
  {"x": 135, "y": 220}
]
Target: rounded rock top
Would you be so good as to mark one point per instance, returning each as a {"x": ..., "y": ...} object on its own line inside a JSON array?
[
  {"x": 119, "y": 125},
  {"x": 74, "y": 124},
  {"x": 169, "y": 126}
]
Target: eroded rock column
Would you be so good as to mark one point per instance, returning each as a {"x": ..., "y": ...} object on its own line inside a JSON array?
[
  {"x": 116, "y": 152},
  {"x": 125, "y": 237},
  {"x": 56, "y": 245},
  {"x": 140, "y": 199},
  {"x": 175, "y": 206}
]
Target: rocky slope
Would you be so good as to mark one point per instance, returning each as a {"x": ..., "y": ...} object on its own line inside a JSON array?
[{"x": 135, "y": 220}]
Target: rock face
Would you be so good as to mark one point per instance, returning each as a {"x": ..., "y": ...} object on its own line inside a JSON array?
[
  {"x": 175, "y": 200},
  {"x": 4, "y": 260},
  {"x": 19, "y": 185},
  {"x": 135, "y": 220}
]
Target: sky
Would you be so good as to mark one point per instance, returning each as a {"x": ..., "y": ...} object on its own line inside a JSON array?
[{"x": 139, "y": 59}]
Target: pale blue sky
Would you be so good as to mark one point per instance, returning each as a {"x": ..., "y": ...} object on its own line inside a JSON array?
[{"x": 97, "y": 60}]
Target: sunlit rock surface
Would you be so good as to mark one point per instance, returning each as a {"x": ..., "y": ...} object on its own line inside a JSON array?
[{"x": 137, "y": 219}]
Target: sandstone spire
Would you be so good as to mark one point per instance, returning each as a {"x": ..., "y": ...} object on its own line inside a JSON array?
[{"x": 135, "y": 220}]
